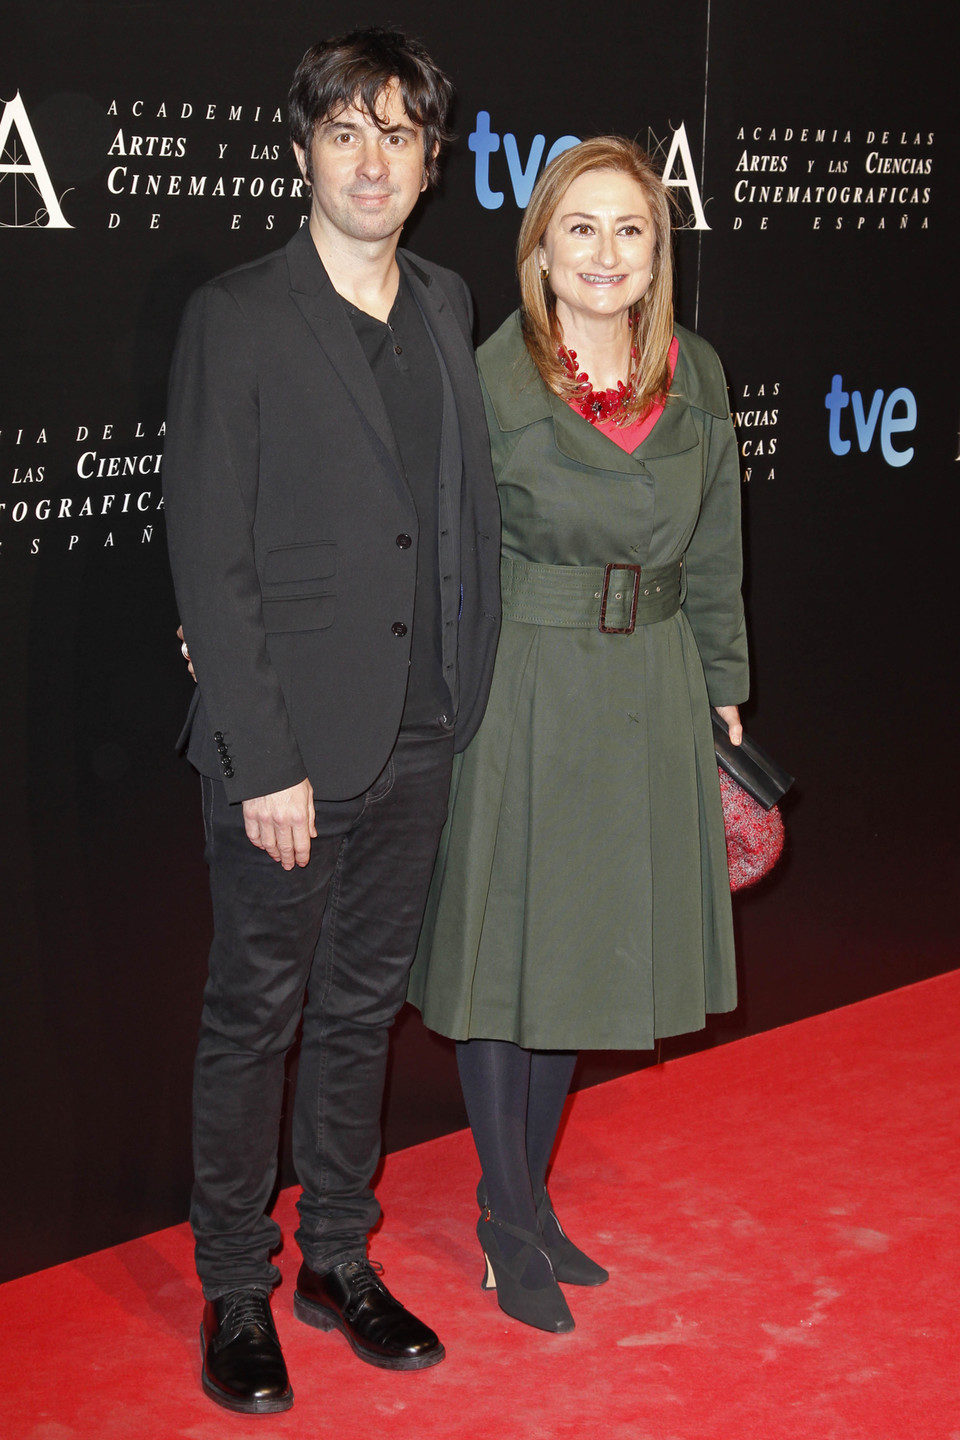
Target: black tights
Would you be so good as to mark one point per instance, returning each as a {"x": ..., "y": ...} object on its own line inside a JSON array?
[{"x": 514, "y": 1099}]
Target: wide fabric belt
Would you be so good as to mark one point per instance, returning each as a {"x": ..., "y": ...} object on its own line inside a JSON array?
[{"x": 612, "y": 598}]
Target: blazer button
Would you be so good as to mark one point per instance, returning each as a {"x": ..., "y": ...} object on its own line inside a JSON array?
[
  {"x": 218, "y": 734},
  {"x": 398, "y": 627},
  {"x": 404, "y": 542},
  {"x": 228, "y": 772}
]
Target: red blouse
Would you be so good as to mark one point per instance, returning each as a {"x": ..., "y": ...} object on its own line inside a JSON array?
[{"x": 628, "y": 437}]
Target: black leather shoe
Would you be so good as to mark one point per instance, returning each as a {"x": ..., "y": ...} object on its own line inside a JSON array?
[
  {"x": 353, "y": 1299},
  {"x": 243, "y": 1366}
]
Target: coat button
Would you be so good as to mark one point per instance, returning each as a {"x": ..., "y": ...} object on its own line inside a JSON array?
[
  {"x": 228, "y": 772},
  {"x": 404, "y": 542},
  {"x": 398, "y": 627},
  {"x": 218, "y": 734}
]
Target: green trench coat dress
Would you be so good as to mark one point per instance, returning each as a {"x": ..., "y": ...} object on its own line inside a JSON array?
[{"x": 581, "y": 897}]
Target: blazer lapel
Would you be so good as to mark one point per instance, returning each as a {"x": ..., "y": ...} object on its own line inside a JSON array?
[
  {"x": 323, "y": 310},
  {"x": 457, "y": 352},
  {"x": 437, "y": 320}
]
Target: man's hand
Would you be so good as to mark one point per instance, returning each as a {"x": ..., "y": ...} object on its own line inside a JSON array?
[
  {"x": 282, "y": 824},
  {"x": 186, "y": 653},
  {"x": 730, "y": 715}
]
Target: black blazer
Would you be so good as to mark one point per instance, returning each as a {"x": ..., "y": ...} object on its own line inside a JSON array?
[{"x": 284, "y": 500}]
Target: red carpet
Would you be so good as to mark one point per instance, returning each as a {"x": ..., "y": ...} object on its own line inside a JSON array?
[{"x": 780, "y": 1217}]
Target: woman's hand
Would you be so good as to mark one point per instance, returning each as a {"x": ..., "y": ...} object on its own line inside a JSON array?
[
  {"x": 729, "y": 714},
  {"x": 186, "y": 653}
]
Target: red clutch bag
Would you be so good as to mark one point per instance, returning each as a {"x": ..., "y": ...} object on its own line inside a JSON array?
[{"x": 754, "y": 835}]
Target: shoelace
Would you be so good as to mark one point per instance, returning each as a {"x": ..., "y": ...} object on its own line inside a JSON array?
[
  {"x": 364, "y": 1276},
  {"x": 245, "y": 1307}
]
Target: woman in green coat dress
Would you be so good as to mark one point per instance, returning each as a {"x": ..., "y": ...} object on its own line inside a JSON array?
[{"x": 581, "y": 895}]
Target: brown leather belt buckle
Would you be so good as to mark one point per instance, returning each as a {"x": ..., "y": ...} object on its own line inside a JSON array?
[{"x": 606, "y": 629}]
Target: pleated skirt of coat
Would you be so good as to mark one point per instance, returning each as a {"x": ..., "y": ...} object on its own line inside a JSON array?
[{"x": 581, "y": 896}]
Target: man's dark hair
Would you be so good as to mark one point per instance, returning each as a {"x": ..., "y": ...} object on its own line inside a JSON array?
[{"x": 354, "y": 70}]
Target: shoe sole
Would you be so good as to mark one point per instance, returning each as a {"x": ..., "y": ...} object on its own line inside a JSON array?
[
  {"x": 323, "y": 1319},
  {"x": 230, "y": 1402}
]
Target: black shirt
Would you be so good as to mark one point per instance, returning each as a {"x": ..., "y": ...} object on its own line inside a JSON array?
[{"x": 404, "y": 363}]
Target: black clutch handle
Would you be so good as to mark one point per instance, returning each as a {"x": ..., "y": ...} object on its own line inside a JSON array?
[{"x": 750, "y": 765}]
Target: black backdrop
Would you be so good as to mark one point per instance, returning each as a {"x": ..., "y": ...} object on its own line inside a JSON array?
[{"x": 817, "y": 170}]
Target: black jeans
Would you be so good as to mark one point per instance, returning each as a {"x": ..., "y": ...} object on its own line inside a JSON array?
[{"x": 332, "y": 942}]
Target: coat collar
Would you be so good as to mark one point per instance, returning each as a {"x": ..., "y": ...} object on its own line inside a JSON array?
[
  {"x": 520, "y": 398},
  {"x": 308, "y": 275}
]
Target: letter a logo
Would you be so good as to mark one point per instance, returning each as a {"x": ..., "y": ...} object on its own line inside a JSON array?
[
  {"x": 687, "y": 180},
  {"x": 21, "y": 164}
]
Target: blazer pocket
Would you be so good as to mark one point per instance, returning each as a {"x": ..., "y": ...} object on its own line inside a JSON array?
[
  {"x": 296, "y": 593},
  {"x": 286, "y": 614},
  {"x": 288, "y": 566}
]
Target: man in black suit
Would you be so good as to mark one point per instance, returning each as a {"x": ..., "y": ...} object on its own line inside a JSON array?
[{"x": 333, "y": 532}]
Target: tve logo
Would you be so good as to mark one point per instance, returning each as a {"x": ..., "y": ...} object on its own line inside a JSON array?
[
  {"x": 896, "y": 415},
  {"x": 485, "y": 142},
  {"x": 522, "y": 174}
]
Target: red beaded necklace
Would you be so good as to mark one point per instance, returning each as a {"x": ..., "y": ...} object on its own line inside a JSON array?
[{"x": 596, "y": 405}]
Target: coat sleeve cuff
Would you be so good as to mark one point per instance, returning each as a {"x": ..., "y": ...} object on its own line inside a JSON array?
[{"x": 245, "y": 786}]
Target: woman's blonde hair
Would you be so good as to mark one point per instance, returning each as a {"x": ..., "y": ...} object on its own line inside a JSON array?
[{"x": 652, "y": 315}]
